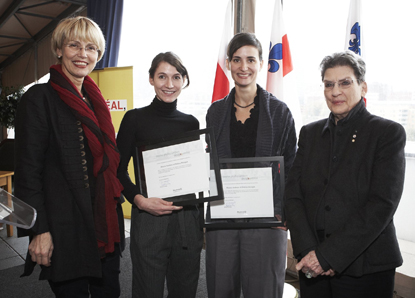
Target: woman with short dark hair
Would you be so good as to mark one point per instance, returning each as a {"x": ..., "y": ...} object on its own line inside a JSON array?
[{"x": 343, "y": 190}]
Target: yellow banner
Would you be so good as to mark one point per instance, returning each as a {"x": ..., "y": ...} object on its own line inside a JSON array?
[{"x": 116, "y": 85}]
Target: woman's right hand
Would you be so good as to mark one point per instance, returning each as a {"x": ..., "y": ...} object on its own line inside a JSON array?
[
  {"x": 155, "y": 206},
  {"x": 41, "y": 248}
]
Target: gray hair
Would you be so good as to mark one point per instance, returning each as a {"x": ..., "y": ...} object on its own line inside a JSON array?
[{"x": 346, "y": 58}]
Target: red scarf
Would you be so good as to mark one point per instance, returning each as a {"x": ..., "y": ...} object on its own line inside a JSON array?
[{"x": 100, "y": 134}]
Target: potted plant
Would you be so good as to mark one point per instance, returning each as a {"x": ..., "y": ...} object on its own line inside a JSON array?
[{"x": 9, "y": 99}]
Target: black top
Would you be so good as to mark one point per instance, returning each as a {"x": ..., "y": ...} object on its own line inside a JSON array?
[
  {"x": 151, "y": 123},
  {"x": 243, "y": 135}
]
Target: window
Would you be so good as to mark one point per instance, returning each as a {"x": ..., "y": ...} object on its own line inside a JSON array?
[{"x": 193, "y": 29}]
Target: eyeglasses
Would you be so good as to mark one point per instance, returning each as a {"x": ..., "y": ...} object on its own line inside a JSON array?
[
  {"x": 75, "y": 47},
  {"x": 343, "y": 84}
]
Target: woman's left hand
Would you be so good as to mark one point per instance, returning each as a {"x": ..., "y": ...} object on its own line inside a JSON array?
[
  {"x": 284, "y": 227},
  {"x": 310, "y": 264},
  {"x": 329, "y": 272},
  {"x": 155, "y": 206}
]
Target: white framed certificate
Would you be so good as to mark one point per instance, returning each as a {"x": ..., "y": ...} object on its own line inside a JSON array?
[
  {"x": 180, "y": 168},
  {"x": 248, "y": 193},
  {"x": 176, "y": 170}
]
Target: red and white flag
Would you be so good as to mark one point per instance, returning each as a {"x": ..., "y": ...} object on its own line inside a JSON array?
[
  {"x": 353, "y": 30},
  {"x": 221, "y": 86},
  {"x": 280, "y": 81}
]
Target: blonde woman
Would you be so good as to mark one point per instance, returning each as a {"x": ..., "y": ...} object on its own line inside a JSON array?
[{"x": 66, "y": 164}]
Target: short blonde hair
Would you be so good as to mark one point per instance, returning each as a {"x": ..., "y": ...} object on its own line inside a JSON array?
[{"x": 78, "y": 28}]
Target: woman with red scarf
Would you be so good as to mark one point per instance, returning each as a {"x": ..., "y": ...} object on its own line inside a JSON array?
[{"x": 66, "y": 164}]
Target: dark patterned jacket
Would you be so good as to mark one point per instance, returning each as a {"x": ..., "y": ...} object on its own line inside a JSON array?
[{"x": 53, "y": 173}]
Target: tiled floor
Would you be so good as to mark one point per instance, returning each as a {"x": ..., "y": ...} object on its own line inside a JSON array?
[{"x": 13, "y": 251}]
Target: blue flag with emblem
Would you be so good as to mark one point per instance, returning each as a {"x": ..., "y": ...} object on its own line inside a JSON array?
[{"x": 354, "y": 40}]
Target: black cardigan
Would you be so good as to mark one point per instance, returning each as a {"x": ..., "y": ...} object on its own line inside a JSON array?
[
  {"x": 275, "y": 134},
  {"x": 276, "y": 130}
]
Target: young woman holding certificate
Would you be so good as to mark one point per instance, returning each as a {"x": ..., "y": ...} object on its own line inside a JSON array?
[
  {"x": 249, "y": 122},
  {"x": 166, "y": 240}
]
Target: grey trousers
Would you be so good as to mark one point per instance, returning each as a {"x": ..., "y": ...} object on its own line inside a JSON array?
[
  {"x": 251, "y": 259},
  {"x": 160, "y": 251}
]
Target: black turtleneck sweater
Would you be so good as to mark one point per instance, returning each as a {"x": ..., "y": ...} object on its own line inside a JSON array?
[{"x": 151, "y": 123}]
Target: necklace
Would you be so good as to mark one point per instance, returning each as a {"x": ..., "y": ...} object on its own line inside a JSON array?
[
  {"x": 243, "y": 107},
  {"x": 86, "y": 100}
]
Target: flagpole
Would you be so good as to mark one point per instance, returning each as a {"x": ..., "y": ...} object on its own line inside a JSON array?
[
  {"x": 238, "y": 27},
  {"x": 244, "y": 16}
]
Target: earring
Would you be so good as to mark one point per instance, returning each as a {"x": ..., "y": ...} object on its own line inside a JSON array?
[{"x": 59, "y": 57}]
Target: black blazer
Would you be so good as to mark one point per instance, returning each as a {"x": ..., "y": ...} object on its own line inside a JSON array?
[
  {"x": 53, "y": 173},
  {"x": 350, "y": 178}
]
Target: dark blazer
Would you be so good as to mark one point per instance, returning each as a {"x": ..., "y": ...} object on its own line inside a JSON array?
[
  {"x": 349, "y": 179},
  {"x": 53, "y": 174}
]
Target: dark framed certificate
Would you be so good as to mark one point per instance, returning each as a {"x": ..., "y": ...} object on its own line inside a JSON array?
[
  {"x": 183, "y": 169},
  {"x": 253, "y": 194}
]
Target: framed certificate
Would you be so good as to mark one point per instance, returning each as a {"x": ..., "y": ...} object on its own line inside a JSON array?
[
  {"x": 253, "y": 194},
  {"x": 183, "y": 169}
]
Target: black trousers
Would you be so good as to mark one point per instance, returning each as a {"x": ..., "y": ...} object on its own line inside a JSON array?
[
  {"x": 106, "y": 287},
  {"x": 375, "y": 285},
  {"x": 165, "y": 248}
]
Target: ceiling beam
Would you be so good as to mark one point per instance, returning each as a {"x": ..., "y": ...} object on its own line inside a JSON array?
[
  {"x": 34, "y": 15},
  {"x": 73, "y": 9},
  {"x": 77, "y": 2},
  {"x": 10, "y": 45},
  {"x": 10, "y": 11}
]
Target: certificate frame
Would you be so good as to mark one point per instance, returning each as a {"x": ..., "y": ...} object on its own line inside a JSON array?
[
  {"x": 278, "y": 173},
  {"x": 207, "y": 135}
]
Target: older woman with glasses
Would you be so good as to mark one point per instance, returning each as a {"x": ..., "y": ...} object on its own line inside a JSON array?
[
  {"x": 66, "y": 168},
  {"x": 343, "y": 190}
]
